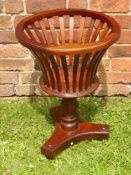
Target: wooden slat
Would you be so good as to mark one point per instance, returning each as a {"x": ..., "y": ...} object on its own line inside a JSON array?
[
  {"x": 65, "y": 71},
  {"x": 43, "y": 27},
  {"x": 71, "y": 33},
  {"x": 80, "y": 32},
  {"x": 43, "y": 68},
  {"x": 25, "y": 32},
  {"x": 83, "y": 69},
  {"x": 37, "y": 32},
  {"x": 47, "y": 65},
  {"x": 58, "y": 60},
  {"x": 71, "y": 29},
  {"x": 90, "y": 30},
  {"x": 91, "y": 67},
  {"x": 56, "y": 70},
  {"x": 96, "y": 64},
  {"x": 28, "y": 30},
  {"x": 97, "y": 31},
  {"x": 75, "y": 71},
  {"x": 52, "y": 29},
  {"x": 104, "y": 32},
  {"x": 54, "y": 36},
  {"x": 62, "y": 30}
]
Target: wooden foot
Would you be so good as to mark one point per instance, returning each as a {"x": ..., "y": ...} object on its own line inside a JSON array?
[{"x": 62, "y": 138}]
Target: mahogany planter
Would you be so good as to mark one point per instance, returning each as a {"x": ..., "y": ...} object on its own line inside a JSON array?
[{"x": 69, "y": 44}]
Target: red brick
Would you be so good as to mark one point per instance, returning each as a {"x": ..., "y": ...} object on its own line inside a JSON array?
[
  {"x": 110, "y": 5},
  {"x": 115, "y": 77},
  {"x": 123, "y": 20},
  {"x": 39, "y": 5},
  {"x": 15, "y": 51},
  {"x": 16, "y": 64},
  {"x": 6, "y": 90},
  {"x": 8, "y": 77},
  {"x": 5, "y": 22},
  {"x": 123, "y": 64},
  {"x": 18, "y": 19},
  {"x": 77, "y": 4},
  {"x": 120, "y": 51},
  {"x": 110, "y": 90},
  {"x": 14, "y": 6},
  {"x": 25, "y": 89},
  {"x": 30, "y": 77},
  {"x": 104, "y": 65},
  {"x": 118, "y": 89},
  {"x": 1, "y": 6},
  {"x": 125, "y": 37},
  {"x": 7, "y": 37}
]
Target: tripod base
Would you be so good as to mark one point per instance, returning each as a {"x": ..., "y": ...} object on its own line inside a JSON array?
[{"x": 62, "y": 139}]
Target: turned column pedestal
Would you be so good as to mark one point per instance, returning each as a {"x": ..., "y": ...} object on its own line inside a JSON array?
[{"x": 69, "y": 129}]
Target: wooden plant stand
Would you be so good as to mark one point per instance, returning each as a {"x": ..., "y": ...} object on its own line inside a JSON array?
[{"x": 68, "y": 45}]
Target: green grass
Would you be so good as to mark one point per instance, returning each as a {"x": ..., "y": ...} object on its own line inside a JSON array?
[{"x": 25, "y": 124}]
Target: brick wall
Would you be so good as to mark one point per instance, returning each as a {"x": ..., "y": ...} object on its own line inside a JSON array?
[{"x": 18, "y": 72}]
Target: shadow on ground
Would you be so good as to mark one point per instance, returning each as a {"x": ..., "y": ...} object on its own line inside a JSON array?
[{"x": 87, "y": 106}]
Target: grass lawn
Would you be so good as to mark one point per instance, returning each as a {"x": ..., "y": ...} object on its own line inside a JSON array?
[{"x": 25, "y": 124}]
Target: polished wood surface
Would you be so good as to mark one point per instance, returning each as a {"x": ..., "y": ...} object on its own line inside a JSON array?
[
  {"x": 69, "y": 44},
  {"x": 70, "y": 130}
]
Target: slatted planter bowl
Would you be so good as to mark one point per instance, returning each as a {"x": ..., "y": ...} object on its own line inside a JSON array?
[{"x": 69, "y": 44}]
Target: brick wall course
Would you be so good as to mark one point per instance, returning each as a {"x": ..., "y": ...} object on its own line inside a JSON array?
[{"x": 18, "y": 73}]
